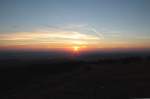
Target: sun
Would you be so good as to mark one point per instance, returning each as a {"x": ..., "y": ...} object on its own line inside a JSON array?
[{"x": 76, "y": 48}]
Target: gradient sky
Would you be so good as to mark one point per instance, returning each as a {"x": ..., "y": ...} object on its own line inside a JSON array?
[{"x": 68, "y": 23}]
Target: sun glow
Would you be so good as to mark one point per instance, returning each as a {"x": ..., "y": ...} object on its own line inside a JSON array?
[{"x": 76, "y": 48}]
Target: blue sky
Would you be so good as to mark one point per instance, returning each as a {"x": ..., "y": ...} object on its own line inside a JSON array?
[{"x": 128, "y": 19}]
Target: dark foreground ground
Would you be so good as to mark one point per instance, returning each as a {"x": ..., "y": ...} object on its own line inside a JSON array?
[{"x": 122, "y": 78}]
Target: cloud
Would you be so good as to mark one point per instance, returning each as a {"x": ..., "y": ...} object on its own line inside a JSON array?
[
  {"x": 81, "y": 34},
  {"x": 71, "y": 35},
  {"x": 100, "y": 35},
  {"x": 48, "y": 37},
  {"x": 85, "y": 28}
]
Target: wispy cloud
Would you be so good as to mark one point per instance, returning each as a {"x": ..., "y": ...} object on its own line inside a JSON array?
[
  {"x": 100, "y": 35},
  {"x": 71, "y": 35},
  {"x": 48, "y": 37}
]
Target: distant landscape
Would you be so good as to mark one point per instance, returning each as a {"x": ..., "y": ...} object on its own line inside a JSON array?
[{"x": 83, "y": 76}]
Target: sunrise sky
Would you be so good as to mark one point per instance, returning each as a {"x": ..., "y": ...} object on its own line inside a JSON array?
[{"x": 74, "y": 24}]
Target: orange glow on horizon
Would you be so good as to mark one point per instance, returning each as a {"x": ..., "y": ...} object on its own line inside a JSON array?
[{"x": 70, "y": 48}]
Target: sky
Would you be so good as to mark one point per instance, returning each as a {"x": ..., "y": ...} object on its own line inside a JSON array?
[{"x": 86, "y": 24}]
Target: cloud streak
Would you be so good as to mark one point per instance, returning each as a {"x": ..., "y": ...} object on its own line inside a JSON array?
[
  {"x": 70, "y": 35},
  {"x": 48, "y": 37}
]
